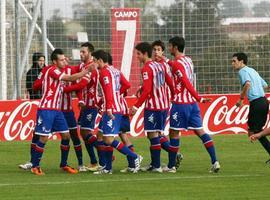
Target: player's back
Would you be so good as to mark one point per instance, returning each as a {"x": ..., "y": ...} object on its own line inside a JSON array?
[
  {"x": 182, "y": 95},
  {"x": 158, "y": 99}
]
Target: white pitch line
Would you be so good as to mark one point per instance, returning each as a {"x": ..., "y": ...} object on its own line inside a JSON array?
[{"x": 128, "y": 180}]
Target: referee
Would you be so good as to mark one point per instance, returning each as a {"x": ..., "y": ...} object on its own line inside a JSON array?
[{"x": 253, "y": 87}]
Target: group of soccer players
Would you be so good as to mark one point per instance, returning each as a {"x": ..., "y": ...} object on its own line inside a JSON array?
[{"x": 101, "y": 90}]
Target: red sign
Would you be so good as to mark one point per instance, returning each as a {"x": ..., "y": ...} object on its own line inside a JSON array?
[
  {"x": 221, "y": 116},
  {"x": 125, "y": 24}
]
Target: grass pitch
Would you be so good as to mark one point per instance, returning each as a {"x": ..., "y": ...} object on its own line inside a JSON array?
[{"x": 244, "y": 174}]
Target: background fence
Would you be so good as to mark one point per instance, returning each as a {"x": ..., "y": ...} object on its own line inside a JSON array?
[{"x": 214, "y": 30}]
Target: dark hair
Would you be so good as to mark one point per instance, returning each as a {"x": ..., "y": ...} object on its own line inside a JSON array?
[
  {"x": 100, "y": 54},
  {"x": 36, "y": 57},
  {"x": 241, "y": 56},
  {"x": 144, "y": 47},
  {"x": 55, "y": 53},
  {"x": 178, "y": 42},
  {"x": 89, "y": 46},
  {"x": 159, "y": 43},
  {"x": 110, "y": 59}
]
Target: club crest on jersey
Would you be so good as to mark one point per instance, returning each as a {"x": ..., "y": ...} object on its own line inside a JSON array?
[
  {"x": 106, "y": 80},
  {"x": 145, "y": 75},
  {"x": 56, "y": 71}
]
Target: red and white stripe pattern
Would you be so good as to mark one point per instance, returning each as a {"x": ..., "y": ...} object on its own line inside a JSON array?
[
  {"x": 90, "y": 92},
  {"x": 67, "y": 97},
  {"x": 52, "y": 90},
  {"x": 182, "y": 95},
  {"x": 110, "y": 83},
  {"x": 158, "y": 98},
  {"x": 124, "y": 105}
]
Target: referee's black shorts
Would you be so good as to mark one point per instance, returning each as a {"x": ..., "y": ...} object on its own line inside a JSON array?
[{"x": 257, "y": 116}]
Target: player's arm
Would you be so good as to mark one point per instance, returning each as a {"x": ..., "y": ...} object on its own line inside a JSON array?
[
  {"x": 245, "y": 81},
  {"x": 125, "y": 84},
  {"x": 181, "y": 74},
  {"x": 37, "y": 85},
  {"x": 77, "y": 86},
  {"x": 146, "y": 88},
  {"x": 75, "y": 76},
  {"x": 169, "y": 82}
]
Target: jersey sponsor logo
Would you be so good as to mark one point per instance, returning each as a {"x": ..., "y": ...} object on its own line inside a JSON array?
[
  {"x": 106, "y": 80},
  {"x": 145, "y": 76}
]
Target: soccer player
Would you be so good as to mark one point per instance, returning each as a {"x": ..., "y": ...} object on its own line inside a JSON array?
[
  {"x": 125, "y": 121},
  {"x": 111, "y": 81},
  {"x": 253, "y": 87},
  {"x": 50, "y": 119},
  {"x": 185, "y": 113},
  {"x": 158, "y": 55},
  {"x": 154, "y": 94},
  {"x": 87, "y": 91}
]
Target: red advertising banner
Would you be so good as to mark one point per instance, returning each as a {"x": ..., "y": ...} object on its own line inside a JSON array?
[
  {"x": 221, "y": 116},
  {"x": 126, "y": 34}
]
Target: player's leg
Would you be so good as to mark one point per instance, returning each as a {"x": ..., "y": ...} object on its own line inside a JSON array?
[
  {"x": 72, "y": 126},
  {"x": 45, "y": 120},
  {"x": 195, "y": 124},
  {"x": 60, "y": 126},
  {"x": 257, "y": 117},
  {"x": 124, "y": 131},
  {"x": 87, "y": 126},
  {"x": 28, "y": 165}
]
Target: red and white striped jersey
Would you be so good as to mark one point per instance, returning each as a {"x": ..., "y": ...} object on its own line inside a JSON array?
[
  {"x": 52, "y": 89},
  {"x": 112, "y": 82},
  {"x": 89, "y": 93},
  {"x": 182, "y": 71},
  {"x": 124, "y": 105},
  {"x": 66, "y": 104},
  {"x": 154, "y": 91}
]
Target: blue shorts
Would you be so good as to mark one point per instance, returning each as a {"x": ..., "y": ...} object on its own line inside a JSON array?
[
  {"x": 155, "y": 120},
  {"x": 87, "y": 119},
  {"x": 125, "y": 124},
  {"x": 110, "y": 127},
  {"x": 71, "y": 120},
  {"x": 49, "y": 122},
  {"x": 185, "y": 116}
]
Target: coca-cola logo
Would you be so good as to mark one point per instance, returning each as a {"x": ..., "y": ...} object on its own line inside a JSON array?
[{"x": 19, "y": 123}]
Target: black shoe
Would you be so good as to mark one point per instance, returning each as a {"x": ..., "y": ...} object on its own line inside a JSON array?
[
  {"x": 179, "y": 158},
  {"x": 267, "y": 162}
]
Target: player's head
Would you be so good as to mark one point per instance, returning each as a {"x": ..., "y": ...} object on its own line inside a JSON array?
[
  {"x": 158, "y": 49},
  {"x": 239, "y": 60},
  {"x": 38, "y": 59},
  {"x": 110, "y": 60},
  {"x": 143, "y": 51},
  {"x": 100, "y": 58},
  {"x": 86, "y": 50},
  {"x": 58, "y": 58},
  {"x": 176, "y": 44}
]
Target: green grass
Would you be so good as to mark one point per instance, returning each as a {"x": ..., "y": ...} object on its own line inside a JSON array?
[{"x": 244, "y": 175}]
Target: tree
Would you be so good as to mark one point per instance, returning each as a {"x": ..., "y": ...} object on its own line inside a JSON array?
[
  {"x": 261, "y": 9},
  {"x": 231, "y": 8}
]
